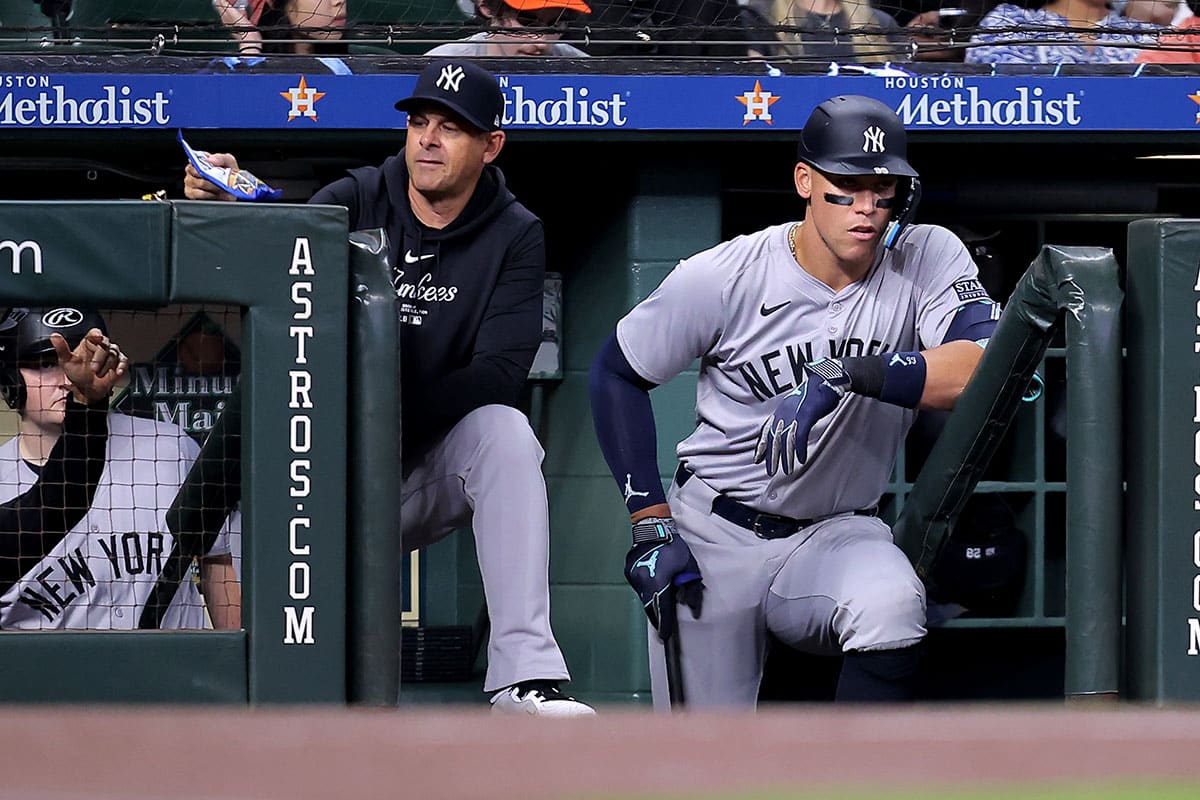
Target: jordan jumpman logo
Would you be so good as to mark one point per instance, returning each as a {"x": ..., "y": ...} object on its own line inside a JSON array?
[{"x": 629, "y": 492}]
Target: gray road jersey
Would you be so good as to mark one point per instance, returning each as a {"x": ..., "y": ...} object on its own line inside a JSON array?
[
  {"x": 753, "y": 318},
  {"x": 100, "y": 574}
]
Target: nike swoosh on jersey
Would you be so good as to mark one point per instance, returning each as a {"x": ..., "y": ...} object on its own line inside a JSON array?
[
  {"x": 409, "y": 258},
  {"x": 768, "y": 311}
]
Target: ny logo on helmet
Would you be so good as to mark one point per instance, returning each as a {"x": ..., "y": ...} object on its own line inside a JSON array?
[
  {"x": 17, "y": 250},
  {"x": 451, "y": 78},
  {"x": 873, "y": 140}
]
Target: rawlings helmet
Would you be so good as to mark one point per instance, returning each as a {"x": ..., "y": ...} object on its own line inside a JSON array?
[
  {"x": 25, "y": 342},
  {"x": 857, "y": 135}
]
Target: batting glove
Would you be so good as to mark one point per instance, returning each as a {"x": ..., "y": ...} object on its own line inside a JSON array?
[
  {"x": 662, "y": 570},
  {"x": 783, "y": 438}
]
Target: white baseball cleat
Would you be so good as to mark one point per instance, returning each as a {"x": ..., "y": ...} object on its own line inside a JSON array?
[{"x": 540, "y": 698}]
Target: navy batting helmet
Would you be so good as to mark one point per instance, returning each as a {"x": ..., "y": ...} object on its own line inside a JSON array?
[
  {"x": 25, "y": 342},
  {"x": 857, "y": 135}
]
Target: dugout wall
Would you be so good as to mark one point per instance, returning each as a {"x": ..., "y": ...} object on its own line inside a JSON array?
[
  {"x": 661, "y": 196},
  {"x": 1163, "y": 461},
  {"x": 286, "y": 266}
]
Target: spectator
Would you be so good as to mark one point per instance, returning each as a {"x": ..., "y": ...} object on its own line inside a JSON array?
[
  {"x": 1182, "y": 47},
  {"x": 303, "y": 27},
  {"x": 933, "y": 29},
  {"x": 1070, "y": 46},
  {"x": 110, "y": 567},
  {"x": 469, "y": 263},
  {"x": 1162, "y": 13},
  {"x": 1176, "y": 48},
  {"x": 519, "y": 28},
  {"x": 816, "y": 30}
]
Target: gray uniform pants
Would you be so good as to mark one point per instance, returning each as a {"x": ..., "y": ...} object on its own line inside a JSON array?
[
  {"x": 837, "y": 585},
  {"x": 487, "y": 473}
]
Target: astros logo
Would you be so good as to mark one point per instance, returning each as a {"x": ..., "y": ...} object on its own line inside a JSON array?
[
  {"x": 303, "y": 100},
  {"x": 1195, "y": 98},
  {"x": 758, "y": 105}
]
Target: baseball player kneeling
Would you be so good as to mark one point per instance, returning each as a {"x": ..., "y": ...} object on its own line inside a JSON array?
[{"x": 818, "y": 341}]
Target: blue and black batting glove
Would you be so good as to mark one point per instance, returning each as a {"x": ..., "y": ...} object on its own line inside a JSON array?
[
  {"x": 783, "y": 438},
  {"x": 662, "y": 570}
]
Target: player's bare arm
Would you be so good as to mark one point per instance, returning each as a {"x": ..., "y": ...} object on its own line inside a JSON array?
[
  {"x": 656, "y": 510},
  {"x": 948, "y": 368},
  {"x": 222, "y": 592}
]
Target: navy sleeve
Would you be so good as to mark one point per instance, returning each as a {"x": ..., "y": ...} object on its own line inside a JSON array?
[
  {"x": 974, "y": 322},
  {"x": 624, "y": 421},
  {"x": 342, "y": 192}
]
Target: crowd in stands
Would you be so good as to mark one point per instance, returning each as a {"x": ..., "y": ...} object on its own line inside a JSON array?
[
  {"x": 815, "y": 32},
  {"x": 519, "y": 28},
  {"x": 812, "y": 31}
]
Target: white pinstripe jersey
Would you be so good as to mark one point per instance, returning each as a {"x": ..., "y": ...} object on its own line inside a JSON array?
[
  {"x": 100, "y": 574},
  {"x": 753, "y": 317}
]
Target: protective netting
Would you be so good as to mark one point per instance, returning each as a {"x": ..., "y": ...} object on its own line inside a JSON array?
[
  {"x": 91, "y": 541},
  {"x": 782, "y": 31}
]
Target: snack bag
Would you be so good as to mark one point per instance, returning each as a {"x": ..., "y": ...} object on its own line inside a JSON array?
[{"x": 240, "y": 183}]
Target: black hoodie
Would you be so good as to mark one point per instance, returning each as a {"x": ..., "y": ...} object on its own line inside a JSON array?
[{"x": 469, "y": 295}]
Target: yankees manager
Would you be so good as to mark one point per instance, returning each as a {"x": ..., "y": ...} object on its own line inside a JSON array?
[{"x": 468, "y": 263}]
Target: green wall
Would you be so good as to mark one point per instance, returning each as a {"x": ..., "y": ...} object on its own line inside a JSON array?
[{"x": 671, "y": 214}]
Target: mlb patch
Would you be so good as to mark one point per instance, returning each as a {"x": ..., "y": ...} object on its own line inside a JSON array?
[{"x": 969, "y": 290}]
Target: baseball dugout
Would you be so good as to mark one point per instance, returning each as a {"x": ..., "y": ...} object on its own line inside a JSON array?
[{"x": 286, "y": 269}]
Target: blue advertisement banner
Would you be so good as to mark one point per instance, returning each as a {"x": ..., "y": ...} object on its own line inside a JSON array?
[{"x": 600, "y": 102}]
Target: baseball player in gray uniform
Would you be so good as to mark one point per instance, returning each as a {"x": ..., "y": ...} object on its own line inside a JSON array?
[
  {"x": 817, "y": 342},
  {"x": 110, "y": 569}
]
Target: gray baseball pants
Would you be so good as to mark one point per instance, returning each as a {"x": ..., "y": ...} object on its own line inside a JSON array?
[
  {"x": 487, "y": 473},
  {"x": 839, "y": 584}
]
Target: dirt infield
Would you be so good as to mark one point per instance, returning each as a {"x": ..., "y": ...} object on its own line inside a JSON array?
[{"x": 187, "y": 753}]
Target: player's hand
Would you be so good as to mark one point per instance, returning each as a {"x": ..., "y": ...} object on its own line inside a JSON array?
[
  {"x": 664, "y": 573},
  {"x": 197, "y": 187},
  {"x": 783, "y": 438},
  {"x": 93, "y": 367}
]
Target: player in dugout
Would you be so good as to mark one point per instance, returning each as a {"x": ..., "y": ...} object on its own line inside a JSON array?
[
  {"x": 468, "y": 265},
  {"x": 108, "y": 560},
  {"x": 818, "y": 341},
  {"x": 72, "y": 468}
]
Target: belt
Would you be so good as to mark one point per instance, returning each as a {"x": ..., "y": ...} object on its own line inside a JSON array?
[{"x": 762, "y": 525}]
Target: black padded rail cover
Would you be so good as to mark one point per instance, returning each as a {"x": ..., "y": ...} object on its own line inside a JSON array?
[{"x": 983, "y": 413}]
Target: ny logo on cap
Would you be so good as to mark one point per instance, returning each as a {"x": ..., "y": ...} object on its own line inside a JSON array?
[
  {"x": 451, "y": 78},
  {"x": 873, "y": 140}
]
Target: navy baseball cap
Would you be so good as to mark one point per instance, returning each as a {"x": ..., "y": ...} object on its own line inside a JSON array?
[{"x": 465, "y": 88}]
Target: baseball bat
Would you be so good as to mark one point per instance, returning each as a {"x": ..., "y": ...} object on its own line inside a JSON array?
[{"x": 672, "y": 650}]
